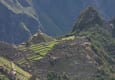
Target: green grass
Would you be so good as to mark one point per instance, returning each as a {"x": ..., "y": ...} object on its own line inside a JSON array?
[
  {"x": 40, "y": 50},
  {"x": 20, "y": 72},
  {"x": 43, "y": 47},
  {"x": 3, "y": 77},
  {"x": 68, "y": 38}
]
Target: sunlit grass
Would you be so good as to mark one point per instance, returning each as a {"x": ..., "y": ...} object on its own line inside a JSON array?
[
  {"x": 68, "y": 38},
  {"x": 20, "y": 72},
  {"x": 39, "y": 50},
  {"x": 3, "y": 77},
  {"x": 42, "y": 49}
]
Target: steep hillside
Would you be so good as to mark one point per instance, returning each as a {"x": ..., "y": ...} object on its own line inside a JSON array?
[
  {"x": 103, "y": 42},
  {"x": 21, "y": 18},
  {"x": 88, "y": 18},
  {"x": 17, "y": 23},
  {"x": 69, "y": 59},
  {"x": 85, "y": 57},
  {"x": 8, "y": 54},
  {"x": 7, "y": 50},
  {"x": 6, "y": 66},
  {"x": 3, "y": 77},
  {"x": 85, "y": 54},
  {"x": 62, "y": 14}
]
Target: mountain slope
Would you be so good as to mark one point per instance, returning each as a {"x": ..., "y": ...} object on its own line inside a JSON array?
[
  {"x": 66, "y": 59},
  {"x": 85, "y": 54},
  {"x": 7, "y": 67},
  {"x": 53, "y": 17},
  {"x": 103, "y": 42},
  {"x": 64, "y": 13},
  {"x": 86, "y": 57},
  {"x": 17, "y": 23}
]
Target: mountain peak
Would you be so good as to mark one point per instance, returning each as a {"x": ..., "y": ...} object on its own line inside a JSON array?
[
  {"x": 91, "y": 8},
  {"x": 89, "y": 17}
]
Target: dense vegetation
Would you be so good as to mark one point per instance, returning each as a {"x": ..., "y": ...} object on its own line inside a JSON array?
[
  {"x": 92, "y": 26},
  {"x": 101, "y": 38}
]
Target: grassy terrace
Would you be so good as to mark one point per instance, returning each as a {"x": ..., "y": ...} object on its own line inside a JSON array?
[
  {"x": 68, "y": 38},
  {"x": 3, "y": 77},
  {"x": 20, "y": 72},
  {"x": 40, "y": 50}
]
